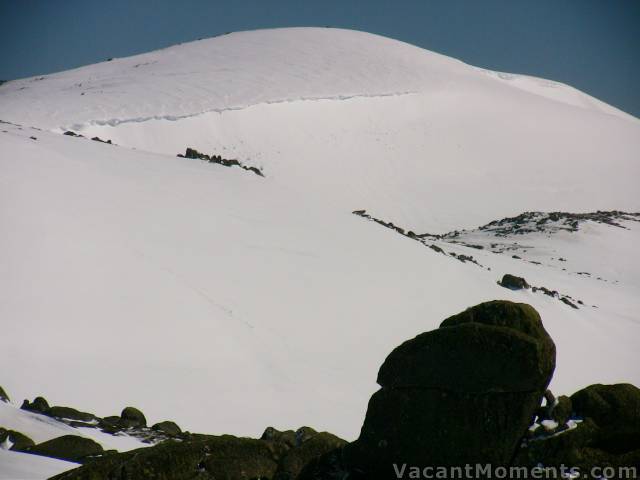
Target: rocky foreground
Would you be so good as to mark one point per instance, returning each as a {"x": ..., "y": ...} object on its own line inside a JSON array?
[{"x": 473, "y": 391}]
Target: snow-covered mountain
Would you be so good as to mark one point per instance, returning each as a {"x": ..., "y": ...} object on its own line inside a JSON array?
[{"x": 229, "y": 301}]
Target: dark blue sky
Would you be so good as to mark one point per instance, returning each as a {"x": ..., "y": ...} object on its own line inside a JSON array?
[{"x": 593, "y": 45}]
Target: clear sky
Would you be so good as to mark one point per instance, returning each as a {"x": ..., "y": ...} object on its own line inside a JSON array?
[{"x": 593, "y": 45}]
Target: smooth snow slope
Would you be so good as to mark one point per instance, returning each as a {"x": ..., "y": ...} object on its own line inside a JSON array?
[
  {"x": 366, "y": 121},
  {"x": 228, "y": 302}
]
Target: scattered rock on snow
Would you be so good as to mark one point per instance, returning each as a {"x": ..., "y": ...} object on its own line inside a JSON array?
[
  {"x": 513, "y": 283},
  {"x": 98, "y": 139},
  {"x": 196, "y": 155}
]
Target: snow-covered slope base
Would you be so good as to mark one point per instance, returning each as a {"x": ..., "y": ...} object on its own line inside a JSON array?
[{"x": 228, "y": 301}]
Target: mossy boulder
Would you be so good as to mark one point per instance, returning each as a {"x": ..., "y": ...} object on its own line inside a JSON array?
[
  {"x": 3, "y": 395},
  {"x": 464, "y": 393},
  {"x": 68, "y": 413},
  {"x": 616, "y": 410},
  {"x": 39, "y": 405},
  {"x": 609, "y": 405},
  {"x": 68, "y": 447},
  {"x": 18, "y": 441},
  {"x": 132, "y": 417},
  {"x": 167, "y": 427}
]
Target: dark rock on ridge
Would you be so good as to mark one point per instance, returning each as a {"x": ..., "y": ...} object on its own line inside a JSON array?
[
  {"x": 39, "y": 405},
  {"x": 132, "y": 417},
  {"x": 68, "y": 447},
  {"x": 168, "y": 427},
  {"x": 69, "y": 413},
  {"x": 196, "y": 155}
]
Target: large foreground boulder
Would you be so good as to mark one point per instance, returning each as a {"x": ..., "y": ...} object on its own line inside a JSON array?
[{"x": 462, "y": 394}]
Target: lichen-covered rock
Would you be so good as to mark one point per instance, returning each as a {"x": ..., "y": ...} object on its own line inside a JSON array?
[
  {"x": 132, "y": 417},
  {"x": 168, "y": 427},
  {"x": 15, "y": 441},
  {"x": 68, "y": 447},
  {"x": 464, "y": 393},
  {"x": 39, "y": 405}
]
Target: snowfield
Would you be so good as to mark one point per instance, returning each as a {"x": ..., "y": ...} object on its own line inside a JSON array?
[{"x": 229, "y": 302}]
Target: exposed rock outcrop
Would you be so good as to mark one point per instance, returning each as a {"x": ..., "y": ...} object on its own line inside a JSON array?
[
  {"x": 196, "y": 155},
  {"x": 278, "y": 455}
]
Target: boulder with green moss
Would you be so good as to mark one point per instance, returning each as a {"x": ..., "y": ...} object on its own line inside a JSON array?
[
  {"x": 68, "y": 413},
  {"x": 72, "y": 448},
  {"x": 132, "y": 417},
  {"x": 167, "y": 427}
]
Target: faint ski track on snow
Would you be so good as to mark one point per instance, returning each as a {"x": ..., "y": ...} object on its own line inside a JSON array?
[{"x": 194, "y": 289}]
